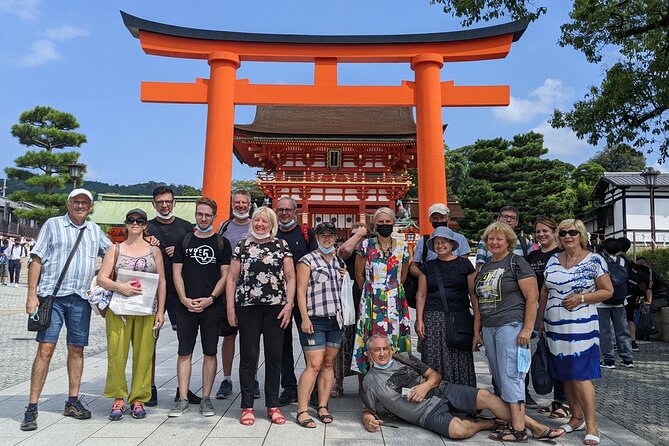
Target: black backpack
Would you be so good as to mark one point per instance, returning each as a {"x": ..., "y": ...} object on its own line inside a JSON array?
[
  {"x": 619, "y": 277},
  {"x": 639, "y": 279}
]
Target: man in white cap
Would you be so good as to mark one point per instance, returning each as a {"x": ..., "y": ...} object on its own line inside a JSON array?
[
  {"x": 57, "y": 239},
  {"x": 439, "y": 215}
]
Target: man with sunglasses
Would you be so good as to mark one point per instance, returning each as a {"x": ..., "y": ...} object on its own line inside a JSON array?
[
  {"x": 168, "y": 229},
  {"x": 56, "y": 241},
  {"x": 301, "y": 240}
]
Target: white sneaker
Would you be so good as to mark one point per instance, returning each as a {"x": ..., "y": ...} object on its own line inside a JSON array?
[{"x": 16, "y": 285}]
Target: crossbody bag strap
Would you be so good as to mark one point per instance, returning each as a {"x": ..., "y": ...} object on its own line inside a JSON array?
[
  {"x": 440, "y": 283},
  {"x": 68, "y": 261}
]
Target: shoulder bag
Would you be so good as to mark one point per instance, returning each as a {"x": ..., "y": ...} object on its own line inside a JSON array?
[
  {"x": 41, "y": 319},
  {"x": 410, "y": 284},
  {"x": 460, "y": 324}
]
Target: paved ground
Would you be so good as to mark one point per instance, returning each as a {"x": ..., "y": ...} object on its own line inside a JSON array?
[{"x": 632, "y": 403}]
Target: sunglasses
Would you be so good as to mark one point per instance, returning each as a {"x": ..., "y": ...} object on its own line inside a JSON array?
[
  {"x": 138, "y": 221},
  {"x": 571, "y": 233}
]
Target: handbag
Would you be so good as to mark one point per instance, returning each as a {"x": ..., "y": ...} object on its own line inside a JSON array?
[
  {"x": 102, "y": 296},
  {"x": 460, "y": 332},
  {"x": 347, "y": 305},
  {"x": 645, "y": 324},
  {"x": 41, "y": 319},
  {"x": 410, "y": 284},
  {"x": 542, "y": 380}
]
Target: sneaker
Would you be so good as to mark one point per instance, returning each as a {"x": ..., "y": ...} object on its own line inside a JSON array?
[
  {"x": 256, "y": 389},
  {"x": 530, "y": 403},
  {"x": 137, "y": 410},
  {"x": 118, "y": 409},
  {"x": 628, "y": 364},
  {"x": 608, "y": 365},
  {"x": 179, "y": 408},
  {"x": 225, "y": 390},
  {"x": 192, "y": 398},
  {"x": 29, "y": 422},
  {"x": 635, "y": 346},
  {"x": 206, "y": 408},
  {"x": 16, "y": 285},
  {"x": 288, "y": 396},
  {"x": 153, "y": 402},
  {"x": 76, "y": 410}
]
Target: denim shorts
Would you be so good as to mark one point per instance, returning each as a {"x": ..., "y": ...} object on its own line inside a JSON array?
[
  {"x": 75, "y": 313},
  {"x": 326, "y": 334},
  {"x": 501, "y": 349}
]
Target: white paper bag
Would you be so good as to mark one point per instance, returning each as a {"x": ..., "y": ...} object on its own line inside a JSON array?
[
  {"x": 347, "y": 305},
  {"x": 140, "y": 305}
]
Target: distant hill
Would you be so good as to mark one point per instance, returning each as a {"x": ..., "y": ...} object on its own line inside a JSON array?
[{"x": 98, "y": 187}]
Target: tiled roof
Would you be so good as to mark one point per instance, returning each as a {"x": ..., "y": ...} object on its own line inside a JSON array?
[{"x": 633, "y": 179}]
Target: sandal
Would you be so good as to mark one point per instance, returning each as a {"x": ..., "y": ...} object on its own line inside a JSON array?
[
  {"x": 550, "y": 409},
  {"x": 337, "y": 390},
  {"x": 591, "y": 440},
  {"x": 561, "y": 411},
  {"x": 247, "y": 418},
  {"x": 549, "y": 434},
  {"x": 308, "y": 422},
  {"x": 516, "y": 436},
  {"x": 568, "y": 429},
  {"x": 275, "y": 415},
  {"x": 500, "y": 425},
  {"x": 326, "y": 418}
]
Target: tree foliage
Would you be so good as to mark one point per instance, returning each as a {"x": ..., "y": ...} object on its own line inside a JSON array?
[
  {"x": 620, "y": 158},
  {"x": 631, "y": 105},
  {"x": 44, "y": 171},
  {"x": 502, "y": 172},
  {"x": 252, "y": 187}
]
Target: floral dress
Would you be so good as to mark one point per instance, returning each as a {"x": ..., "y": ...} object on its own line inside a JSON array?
[{"x": 383, "y": 306}]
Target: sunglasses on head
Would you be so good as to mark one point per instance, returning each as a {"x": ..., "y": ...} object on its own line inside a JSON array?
[
  {"x": 571, "y": 233},
  {"x": 132, "y": 221}
]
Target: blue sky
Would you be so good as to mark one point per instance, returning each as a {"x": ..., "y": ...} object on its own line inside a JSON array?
[{"x": 78, "y": 57}]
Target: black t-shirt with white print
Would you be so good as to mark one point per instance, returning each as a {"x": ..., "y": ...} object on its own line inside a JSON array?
[{"x": 201, "y": 264}]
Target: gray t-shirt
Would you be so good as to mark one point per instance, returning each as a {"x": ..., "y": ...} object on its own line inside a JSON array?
[
  {"x": 236, "y": 232},
  {"x": 383, "y": 390},
  {"x": 499, "y": 297},
  {"x": 463, "y": 249}
]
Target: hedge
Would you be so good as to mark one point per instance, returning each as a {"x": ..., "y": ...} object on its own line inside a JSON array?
[{"x": 659, "y": 261}]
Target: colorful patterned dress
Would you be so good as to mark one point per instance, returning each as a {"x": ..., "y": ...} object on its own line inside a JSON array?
[
  {"x": 383, "y": 306},
  {"x": 573, "y": 335}
]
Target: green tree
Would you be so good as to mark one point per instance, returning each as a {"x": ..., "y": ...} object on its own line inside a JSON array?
[
  {"x": 584, "y": 179},
  {"x": 252, "y": 187},
  {"x": 631, "y": 104},
  {"x": 502, "y": 172},
  {"x": 190, "y": 191},
  {"x": 620, "y": 158},
  {"x": 47, "y": 129}
]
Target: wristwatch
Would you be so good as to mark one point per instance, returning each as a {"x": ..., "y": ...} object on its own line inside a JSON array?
[{"x": 213, "y": 297}]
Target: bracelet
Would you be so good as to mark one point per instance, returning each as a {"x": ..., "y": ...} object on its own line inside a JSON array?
[
  {"x": 582, "y": 299},
  {"x": 212, "y": 297}
]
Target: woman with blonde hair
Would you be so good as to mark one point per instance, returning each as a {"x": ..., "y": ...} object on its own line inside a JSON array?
[
  {"x": 381, "y": 267},
  {"x": 575, "y": 281},
  {"x": 260, "y": 291}
]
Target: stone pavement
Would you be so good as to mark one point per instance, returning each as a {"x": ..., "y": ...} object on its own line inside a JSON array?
[{"x": 632, "y": 407}]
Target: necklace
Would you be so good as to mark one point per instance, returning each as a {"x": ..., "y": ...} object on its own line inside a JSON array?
[
  {"x": 385, "y": 250},
  {"x": 574, "y": 260}
]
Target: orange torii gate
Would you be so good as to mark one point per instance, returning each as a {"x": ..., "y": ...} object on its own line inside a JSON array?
[{"x": 225, "y": 51}]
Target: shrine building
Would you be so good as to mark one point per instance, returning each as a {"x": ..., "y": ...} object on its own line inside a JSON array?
[{"x": 339, "y": 163}]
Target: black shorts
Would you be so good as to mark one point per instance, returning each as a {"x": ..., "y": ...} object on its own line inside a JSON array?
[
  {"x": 458, "y": 399},
  {"x": 224, "y": 328},
  {"x": 206, "y": 322},
  {"x": 630, "y": 307}
]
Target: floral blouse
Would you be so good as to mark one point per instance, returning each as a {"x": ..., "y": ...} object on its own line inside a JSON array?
[{"x": 261, "y": 279}]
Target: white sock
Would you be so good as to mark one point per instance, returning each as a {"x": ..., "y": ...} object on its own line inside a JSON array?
[{"x": 227, "y": 378}]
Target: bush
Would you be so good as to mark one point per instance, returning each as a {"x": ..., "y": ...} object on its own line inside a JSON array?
[{"x": 659, "y": 261}]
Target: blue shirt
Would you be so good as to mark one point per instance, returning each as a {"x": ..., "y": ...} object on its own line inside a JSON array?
[{"x": 54, "y": 243}]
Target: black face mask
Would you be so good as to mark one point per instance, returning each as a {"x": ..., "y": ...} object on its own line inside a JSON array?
[
  {"x": 384, "y": 230},
  {"x": 439, "y": 224}
]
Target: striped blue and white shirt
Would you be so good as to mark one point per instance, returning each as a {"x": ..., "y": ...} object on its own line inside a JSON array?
[{"x": 54, "y": 243}]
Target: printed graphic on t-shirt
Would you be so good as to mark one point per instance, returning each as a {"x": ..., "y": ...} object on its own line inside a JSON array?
[
  {"x": 203, "y": 255},
  {"x": 489, "y": 286}
]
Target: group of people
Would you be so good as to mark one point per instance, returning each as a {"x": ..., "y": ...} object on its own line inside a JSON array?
[
  {"x": 12, "y": 254},
  {"x": 257, "y": 272}
]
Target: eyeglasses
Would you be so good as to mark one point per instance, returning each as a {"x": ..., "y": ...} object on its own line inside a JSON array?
[
  {"x": 205, "y": 216},
  {"x": 164, "y": 202},
  {"x": 284, "y": 210},
  {"x": 571, "y": 233},
  {"x": 84, "y": 204},
  {"x": 507, "y": 217},
  {"x": 135, "y": 221},
  {"x": 325, "y": 226}
]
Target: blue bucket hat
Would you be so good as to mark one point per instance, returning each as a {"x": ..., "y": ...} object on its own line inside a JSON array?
[{"x": 443, "y": 232}]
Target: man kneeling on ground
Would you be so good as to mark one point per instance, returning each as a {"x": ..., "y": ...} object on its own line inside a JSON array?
[{"x": 402, "y": 385}]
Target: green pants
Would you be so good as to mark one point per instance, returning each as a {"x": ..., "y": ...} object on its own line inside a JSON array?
[{"x": 137, "y": 330}]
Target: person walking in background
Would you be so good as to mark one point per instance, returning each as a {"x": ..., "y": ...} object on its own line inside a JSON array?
[
  {"x": 16, "y": 252},
  {"x": 4, "y": 261},
  {"x": 576, "y": 281},
  {"x": 261, "y": 290},
  {"x": 56, "y": 241},
  {"x": 134, "y": 254}
]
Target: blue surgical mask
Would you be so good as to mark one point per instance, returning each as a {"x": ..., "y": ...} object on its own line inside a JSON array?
[
  {"x": 524, "y": 359},
  {"x": 326, "y": 250},
  {"x": 383, "y": 367},
  {"x": 287, "y": 225},
  {"x": 207, "y": 229}
]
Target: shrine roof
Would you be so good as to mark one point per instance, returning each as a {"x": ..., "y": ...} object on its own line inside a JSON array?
[
  {"x": 330, "y": 122},
  {"x": 135, "y": 24}
]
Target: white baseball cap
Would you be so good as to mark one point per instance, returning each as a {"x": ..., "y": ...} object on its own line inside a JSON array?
[
  {"x": 76, "y": 192},
  {"x": 438, "y": 208}
]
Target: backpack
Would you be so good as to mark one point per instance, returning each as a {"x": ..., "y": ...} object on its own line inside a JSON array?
[
  {"x": 638, "y": 281},
  {"x": 619, "y": 276},
  {"x": 305, "y": 234},
  {"x": 410, "y": 284},
  {"x": 224, "y": 226},
  {"x": 220, "y": 240}
]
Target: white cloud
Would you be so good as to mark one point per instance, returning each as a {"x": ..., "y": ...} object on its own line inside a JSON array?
[
  {"x": 540, "y": 101},
  {"x": 563, "y": 144},
  {"x": 65, "y": 32},
  {"x": 42, "y": 51},
  {"x": 27, "y": 10}
]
